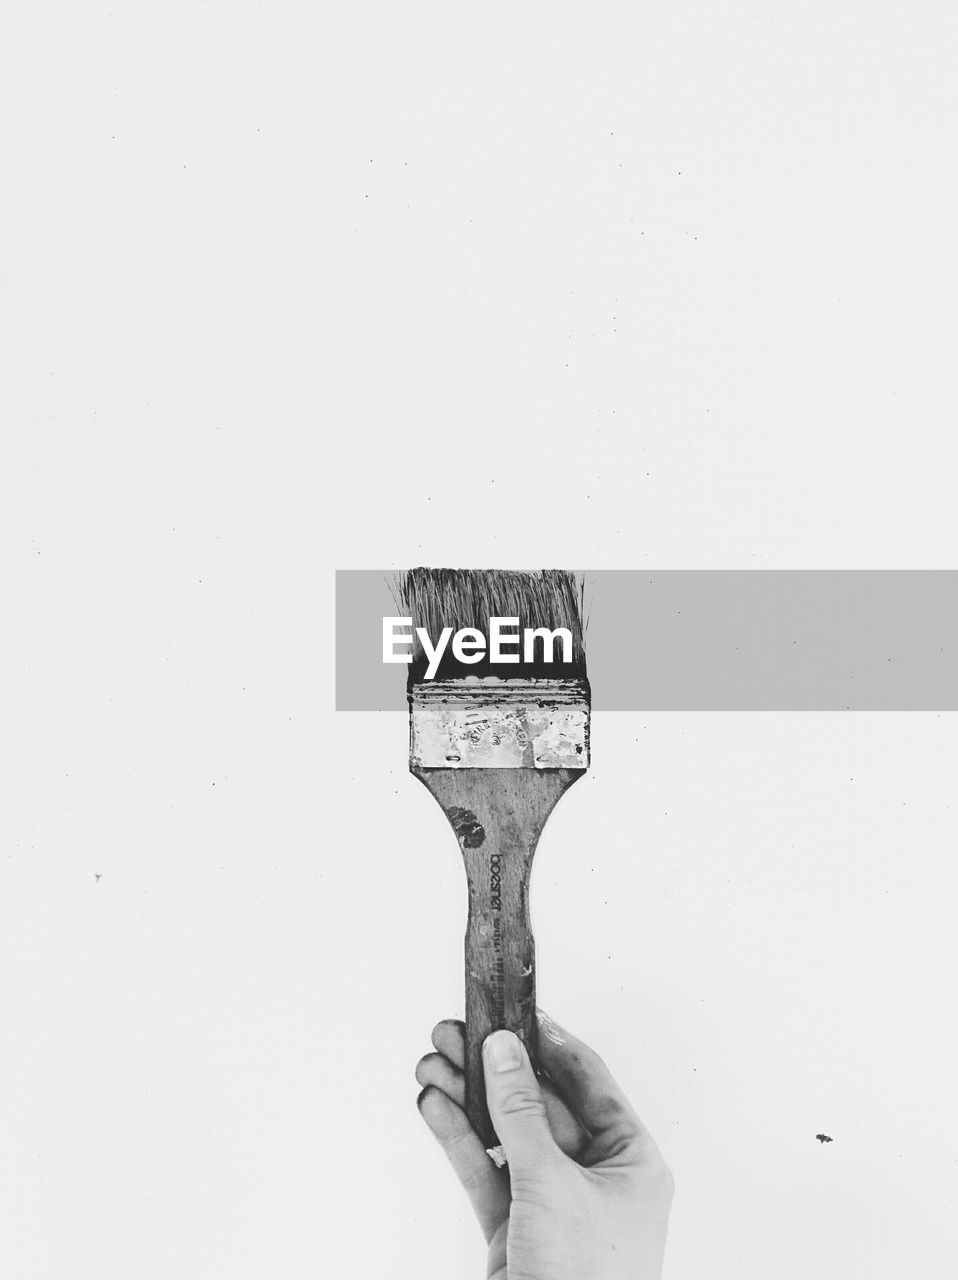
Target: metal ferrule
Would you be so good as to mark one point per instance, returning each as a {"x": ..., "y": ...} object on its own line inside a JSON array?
[{"x": 499, "y": 724}]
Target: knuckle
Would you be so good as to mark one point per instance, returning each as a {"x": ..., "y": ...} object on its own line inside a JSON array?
[
  {"x": 522, "y": 1102},
  {"x": 451, "y": 1142},
  {"x": 609, "y": 1110},
  {"x": 537, "y": 1191}
]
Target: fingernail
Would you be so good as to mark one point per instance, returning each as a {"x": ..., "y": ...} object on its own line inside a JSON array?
[{"x": 503, "y": 1051}]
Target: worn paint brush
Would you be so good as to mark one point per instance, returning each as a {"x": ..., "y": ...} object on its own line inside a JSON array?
[{"x": 497, "y": 745}]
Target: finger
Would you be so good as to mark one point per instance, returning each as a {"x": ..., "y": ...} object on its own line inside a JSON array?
[
  {"x": 589, "y": 1088},
  {"x": 516, "y": 1105},
  {"x": 436, "y": 1071},
  {"x": 449, "y": 1038},
  {"x": 486, "y": 1186}
]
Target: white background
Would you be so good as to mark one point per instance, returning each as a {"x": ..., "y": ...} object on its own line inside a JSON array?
[{"x": 289, "y": 287}]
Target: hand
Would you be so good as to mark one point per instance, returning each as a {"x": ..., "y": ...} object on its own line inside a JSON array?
[{"x": 586, "y": 1194}]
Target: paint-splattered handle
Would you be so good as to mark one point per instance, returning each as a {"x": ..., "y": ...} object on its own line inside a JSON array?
[
  {"x": 498, "y": 816},
  {"x": 500, "y": 964}
]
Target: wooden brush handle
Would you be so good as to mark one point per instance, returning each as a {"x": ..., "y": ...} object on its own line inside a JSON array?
[
  {"x": 500, "y": 961},
  {"x": 498, "y": 816}
]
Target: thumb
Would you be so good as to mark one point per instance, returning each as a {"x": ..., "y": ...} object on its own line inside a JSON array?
[{"x": 516, "y": 1105}]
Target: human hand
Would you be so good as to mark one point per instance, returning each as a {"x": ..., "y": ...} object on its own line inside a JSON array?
[{"x": 586, "y": 1195}]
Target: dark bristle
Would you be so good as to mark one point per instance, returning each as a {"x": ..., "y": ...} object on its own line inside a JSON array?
[{"x": 457, "y": 598}]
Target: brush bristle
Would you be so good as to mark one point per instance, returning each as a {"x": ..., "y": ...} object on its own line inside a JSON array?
[{"x": 457, "y": 598}]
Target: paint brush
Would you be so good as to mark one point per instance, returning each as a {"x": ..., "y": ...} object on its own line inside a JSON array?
[{"x": 497, "y": 741}]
